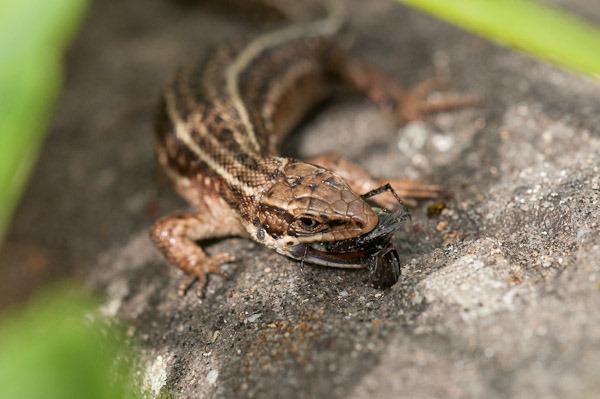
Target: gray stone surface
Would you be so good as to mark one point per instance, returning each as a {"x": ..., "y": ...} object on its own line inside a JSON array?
[{"x": 499, "y": 295}]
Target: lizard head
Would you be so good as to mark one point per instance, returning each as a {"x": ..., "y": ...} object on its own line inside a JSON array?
[
  {"x": 312, "y": 204},
  {"x": 310, "y": 213}
]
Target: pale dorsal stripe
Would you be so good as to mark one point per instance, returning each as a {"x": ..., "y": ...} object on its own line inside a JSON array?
[
  {"x": 182, "y": 132},
  {"x": 282, "y": 87},
  {"x": 324, "y": 27}
]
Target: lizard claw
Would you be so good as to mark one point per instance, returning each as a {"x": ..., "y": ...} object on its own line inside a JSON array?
[
  {"x": 200, "y": 271},
  {"x": 411, "y": 105}
]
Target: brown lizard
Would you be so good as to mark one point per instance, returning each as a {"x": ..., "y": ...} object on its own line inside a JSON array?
[{"x": 219, "y": 125}]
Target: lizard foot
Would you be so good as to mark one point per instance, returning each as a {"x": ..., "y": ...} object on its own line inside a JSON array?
[
  {"x": 407, "y": 106},
  {"x": 199, "y": 271},
  {"x": 403, "y": 105}
]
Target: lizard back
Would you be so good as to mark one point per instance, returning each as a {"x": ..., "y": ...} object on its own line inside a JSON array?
[{"x": 223, "y": 115}]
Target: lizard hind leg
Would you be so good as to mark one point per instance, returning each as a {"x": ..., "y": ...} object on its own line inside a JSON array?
[
  {"x": 175, "y": 235},
  {"x": 404, "y": 105},
  {"x": 363, "y": 182}
]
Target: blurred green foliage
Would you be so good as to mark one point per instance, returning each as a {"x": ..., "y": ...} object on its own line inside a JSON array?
[
  {"x": 541, "y": 30},
  {"x": 33, "y": 36},
  {"x": 58, "y": 348}
]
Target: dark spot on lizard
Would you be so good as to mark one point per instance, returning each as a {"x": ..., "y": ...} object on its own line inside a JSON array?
[
  {"x": 252, "y": 164},
  {"x": 332, "y": 181},
  {"x": 231, "y": 145},
  {"x": 241, "y": 157},
  {"x": 236, "y": 191},
  {"x": 260, "y": 233},
  {"x": 195, "y": 135},
  {"x": 295, "y": 181},
  {"x": 224, "y": 135},
  {"x": 275, "y": 174}
]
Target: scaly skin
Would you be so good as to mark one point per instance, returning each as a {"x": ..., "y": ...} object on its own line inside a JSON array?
[{"x": 219, "y": 125}]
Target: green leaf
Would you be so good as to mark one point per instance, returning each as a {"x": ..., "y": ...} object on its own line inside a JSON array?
[
  {"x": 58, "y": 348},
  {"x": 543, "y": 31},
  {"x": 33, "y": 36}
]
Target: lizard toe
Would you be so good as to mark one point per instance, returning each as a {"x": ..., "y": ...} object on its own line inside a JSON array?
[
  {"x": 414, "y": 104},
  {"x": 200, "y": 271}
]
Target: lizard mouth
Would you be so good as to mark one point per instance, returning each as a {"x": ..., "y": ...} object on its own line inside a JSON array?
[{"x": 372, "y": 250}]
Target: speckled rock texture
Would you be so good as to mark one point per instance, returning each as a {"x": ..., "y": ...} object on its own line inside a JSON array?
[{"x": 499, "y": 295}]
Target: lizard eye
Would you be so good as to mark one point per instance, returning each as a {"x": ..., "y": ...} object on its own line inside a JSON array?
[{"x": 308, "y": 225}]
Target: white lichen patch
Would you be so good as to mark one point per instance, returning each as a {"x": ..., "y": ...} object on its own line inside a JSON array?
[
  {"x": 116, "y": 291},
  {"x": 155, "y": 376},
  {"x": 212, "y": 376}
]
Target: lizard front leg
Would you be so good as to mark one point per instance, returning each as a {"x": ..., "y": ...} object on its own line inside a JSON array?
[
  {"x": 361, "y": 181},
  {"x": 176, "y": 235}
]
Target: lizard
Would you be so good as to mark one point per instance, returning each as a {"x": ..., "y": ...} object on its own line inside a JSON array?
[{"x": 218, "y": 127}]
